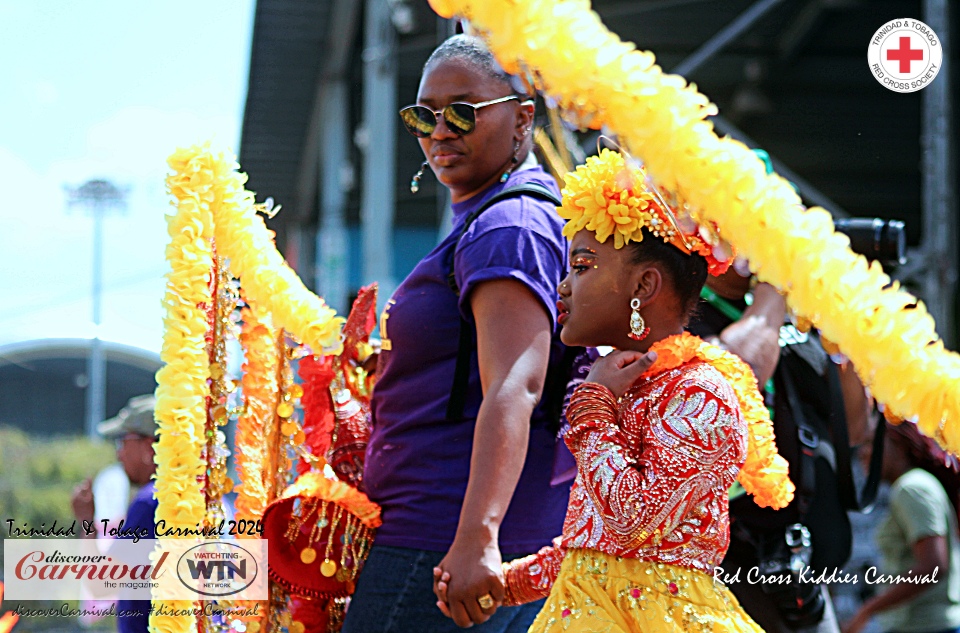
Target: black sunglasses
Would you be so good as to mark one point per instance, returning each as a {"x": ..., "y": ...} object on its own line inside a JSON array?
[{"x": 460, "y": 117}]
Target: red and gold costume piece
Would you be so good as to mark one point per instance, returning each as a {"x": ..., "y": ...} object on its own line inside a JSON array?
[{"x": 648, "y": 519}]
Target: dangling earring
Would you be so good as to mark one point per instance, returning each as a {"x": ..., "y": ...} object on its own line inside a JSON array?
[
  {"x": 513, "y": 161},
  {"x": 637, "y": 330},
  {"x": 415, "y": 183}
]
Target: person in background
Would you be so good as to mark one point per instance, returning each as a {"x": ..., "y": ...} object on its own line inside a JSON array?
[
  {"x": 751, "y": 324},
  {"x": 821, "y": 412},
  {"x": 918, "y": 540},
  {"x": 463, "y": 475},
  {"x": 112, "y": 493},
  {"x": 134, "y": 431}
]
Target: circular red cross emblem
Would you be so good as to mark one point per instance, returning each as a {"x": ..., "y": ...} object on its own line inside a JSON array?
[{"x": 905, "y": 55}]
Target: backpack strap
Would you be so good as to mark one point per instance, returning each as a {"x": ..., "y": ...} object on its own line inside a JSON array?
[
  {"x": 838, "y": 456},
  {"x": 862, "y": 501},
  {"x": 461, "y": 375},
  {"x": 531, "y": 189},
  {"x": 810, "y": 445}
]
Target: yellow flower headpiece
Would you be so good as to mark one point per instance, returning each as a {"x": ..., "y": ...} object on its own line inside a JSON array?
[{"x": 611, "y": 195}]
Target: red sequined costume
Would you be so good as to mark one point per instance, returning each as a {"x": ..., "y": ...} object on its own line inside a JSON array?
[{"x": 653, "y": 475}]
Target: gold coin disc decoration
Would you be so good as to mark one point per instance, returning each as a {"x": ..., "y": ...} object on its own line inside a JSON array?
[
  {"x": 308, "y": 555},
  {"x": 328, "y": 568}
]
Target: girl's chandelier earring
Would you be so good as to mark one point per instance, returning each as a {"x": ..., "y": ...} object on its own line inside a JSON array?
[{"x": 638, "y": 331}]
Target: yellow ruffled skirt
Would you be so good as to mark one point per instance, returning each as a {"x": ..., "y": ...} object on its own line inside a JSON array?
[{"x": 600, "y": 593}]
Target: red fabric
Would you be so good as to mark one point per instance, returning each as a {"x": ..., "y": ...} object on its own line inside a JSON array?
[
  {"x": 285, "y": 565},
  {"x": 311, "y": 612},
  {"x": 653, "y": 472},
  {"x": 318, "y": 416},
  {"x": 317, "y": 373},
  {"x": 361, "y": 321}
]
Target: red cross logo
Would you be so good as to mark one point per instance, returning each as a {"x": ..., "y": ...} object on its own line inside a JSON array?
[{"x": 905, "y": 55}]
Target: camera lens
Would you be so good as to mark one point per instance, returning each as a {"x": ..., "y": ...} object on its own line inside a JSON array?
[
  {"x": 882, "y": 240},
  {"x": 808, "y": 608}
]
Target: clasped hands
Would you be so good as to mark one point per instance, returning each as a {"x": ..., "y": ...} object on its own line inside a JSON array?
[{"x": 469, "y": 583}]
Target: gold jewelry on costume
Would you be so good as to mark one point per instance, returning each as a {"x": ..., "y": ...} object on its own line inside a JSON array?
[
  {"x": 300, "y": 515},
  {"x": 308, "y": 555},
  {"x": 328, "y": 567}
]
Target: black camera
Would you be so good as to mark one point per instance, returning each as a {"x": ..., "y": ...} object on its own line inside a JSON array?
[
  {"x": 881, "y": 240},
  {"x": 799, "y": 603}
]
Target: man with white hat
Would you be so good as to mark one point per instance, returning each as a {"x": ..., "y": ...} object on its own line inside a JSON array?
[{"x": 134, "y": 430}]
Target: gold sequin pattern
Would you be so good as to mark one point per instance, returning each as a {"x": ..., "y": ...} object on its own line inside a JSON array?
[
  {"x": 653, "y": 473},
  {"x": 600, "y": 593}
]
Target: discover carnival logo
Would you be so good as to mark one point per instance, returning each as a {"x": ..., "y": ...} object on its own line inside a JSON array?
[
  {"x": 168, "y": 569},
  {"x": 905, "y": 55}
]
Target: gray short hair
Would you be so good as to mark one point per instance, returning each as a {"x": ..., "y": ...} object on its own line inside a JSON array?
[{"x": 472, "y": 49}]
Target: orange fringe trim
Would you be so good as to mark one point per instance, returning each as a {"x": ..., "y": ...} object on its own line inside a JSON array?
[{"x": 315, "y": 484}]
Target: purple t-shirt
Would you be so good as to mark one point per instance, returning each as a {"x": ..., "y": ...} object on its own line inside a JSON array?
[{"x": 417, "y": 461}]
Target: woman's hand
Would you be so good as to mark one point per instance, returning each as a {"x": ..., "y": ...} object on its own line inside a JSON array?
[
  {"x": 477, "y": 590},
  {"x": 513, "y": 354},
  {"x": 618, "y": 370}
]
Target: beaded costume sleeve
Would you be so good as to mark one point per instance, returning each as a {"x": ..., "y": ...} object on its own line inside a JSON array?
[
  {"x": 652, "y": 476},
  {"x": 608, "y": 465},
  {"x": 654, "y": 469},
  {"x": 531, "y": 577}
]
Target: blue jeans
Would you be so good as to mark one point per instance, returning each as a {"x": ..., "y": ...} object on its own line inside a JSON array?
[{"x": 395, "y": 595}]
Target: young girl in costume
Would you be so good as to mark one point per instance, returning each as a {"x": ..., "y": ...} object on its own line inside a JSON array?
[{"x": 660, "y": 429}]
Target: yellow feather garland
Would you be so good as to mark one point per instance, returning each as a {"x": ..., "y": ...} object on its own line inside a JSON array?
[
  {"x": 243, "y": 237},
  {"x": 181, "y": 409},
  {"x": 598, "y": 80}
]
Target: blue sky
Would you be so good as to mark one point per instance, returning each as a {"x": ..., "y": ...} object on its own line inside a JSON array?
[{"x": 104, "y": 89}]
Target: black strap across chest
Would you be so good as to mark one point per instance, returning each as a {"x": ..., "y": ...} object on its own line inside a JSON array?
[{"x": 461, "y": 375}]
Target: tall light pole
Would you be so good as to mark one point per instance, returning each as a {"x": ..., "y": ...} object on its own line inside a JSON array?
[{"x": 98, "y": 197}]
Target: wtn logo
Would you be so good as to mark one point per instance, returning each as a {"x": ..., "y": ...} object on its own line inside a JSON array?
[
  {"x": 219, "y": 568},
  {"x": 224, "y": 569}
]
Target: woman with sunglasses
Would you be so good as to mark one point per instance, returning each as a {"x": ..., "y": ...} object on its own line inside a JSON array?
[{"x": 469, "y": 489}]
